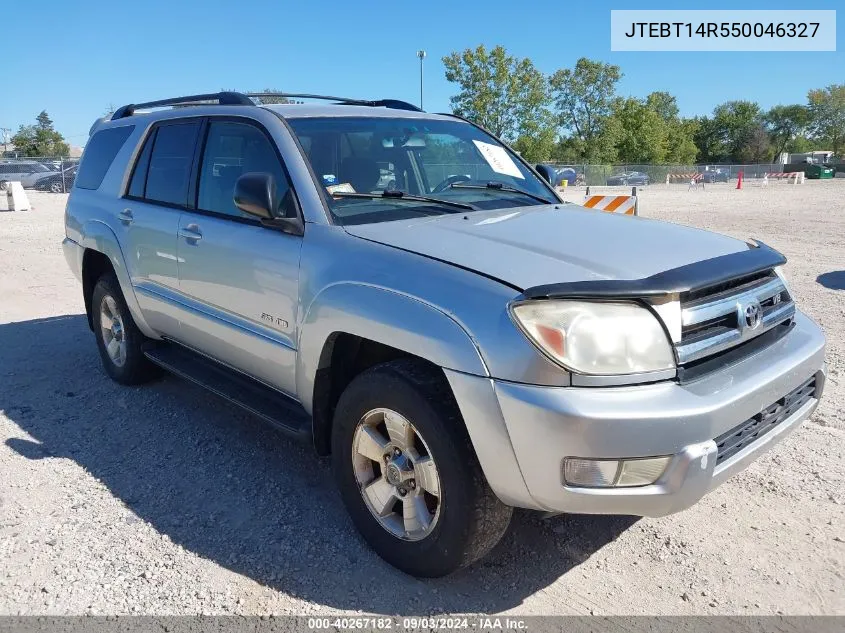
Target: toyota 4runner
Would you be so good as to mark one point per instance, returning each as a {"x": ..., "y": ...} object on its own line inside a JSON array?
[{"x": 403, "y": 290}]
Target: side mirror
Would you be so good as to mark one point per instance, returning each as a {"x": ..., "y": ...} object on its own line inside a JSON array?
[
  {"x": 548, "y": 173},
  {"x": 255, "y": 194}
]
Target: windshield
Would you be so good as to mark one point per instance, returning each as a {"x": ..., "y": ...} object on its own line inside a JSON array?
[{"x": 393, "y": 163}]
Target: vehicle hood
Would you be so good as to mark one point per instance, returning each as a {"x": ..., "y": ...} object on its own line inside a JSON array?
[{"x": 537, "y": 245}]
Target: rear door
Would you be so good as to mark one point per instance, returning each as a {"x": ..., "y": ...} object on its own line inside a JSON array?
[
  {"x": 149, "y": 219},
  {"x": 238, "y": 278}
]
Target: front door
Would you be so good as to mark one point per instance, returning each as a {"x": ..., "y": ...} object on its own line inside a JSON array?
[{"x": 238, "y": 279}]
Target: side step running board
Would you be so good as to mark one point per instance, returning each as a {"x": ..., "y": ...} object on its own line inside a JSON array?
[{"x": 273, "y": 407}]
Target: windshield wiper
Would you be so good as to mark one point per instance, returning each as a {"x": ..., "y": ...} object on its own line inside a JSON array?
[
  {"x": 401, "y": 195},
  {"x": 498, "y": 186}
]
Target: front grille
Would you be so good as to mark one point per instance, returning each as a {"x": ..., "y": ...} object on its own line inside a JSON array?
[
  {"x": 754, "y": 428},
  {"x": 713, "y": 321}
]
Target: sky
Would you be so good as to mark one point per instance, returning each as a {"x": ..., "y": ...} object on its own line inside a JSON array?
[{"x": 75, "y": 59}]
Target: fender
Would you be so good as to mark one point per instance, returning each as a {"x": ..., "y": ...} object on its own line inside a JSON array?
[
  {"x": 385, "y": 316},
  {"x": 98, "y": 236}
]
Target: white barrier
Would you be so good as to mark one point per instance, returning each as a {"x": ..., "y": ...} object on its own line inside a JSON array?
[
  {"x": 626, "y": 205},
  {"x": 17, "y": 197}
]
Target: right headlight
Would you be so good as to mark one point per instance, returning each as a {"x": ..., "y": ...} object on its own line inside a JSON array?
[{"x": 596, "y": 338}]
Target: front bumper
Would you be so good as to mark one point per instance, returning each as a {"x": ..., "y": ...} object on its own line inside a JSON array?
[{"x": 522, "y": 451}]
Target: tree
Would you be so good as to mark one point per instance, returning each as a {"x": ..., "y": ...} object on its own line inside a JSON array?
[
  {"x": 664, "y": 104},
  {"x": 732, "y": 134},
  {"x": 827, "y": 111},
  {"x": 737, "y": 121},
  {"x": 506, "y": 95},
  {"x": 643, "y": 136},
  {"x": 784, "y": 124},
  {"x": 40, "y": 139},
  {"x": 273, "y": 100},
  {"x": 680, "y": 142},
  {"x": 584, "y": 100},
  {"x": 708, "y": 140},
  {"x": 681, "y": 147},
  {"x": 537, "y": 147},
  {"x": 756, "y": 147}
]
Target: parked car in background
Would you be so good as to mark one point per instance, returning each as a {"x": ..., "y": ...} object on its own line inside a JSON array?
[
  {"x": 57, "y": 182},
  {"x": 569, "y": 175},
  {"x": 51, "y": 164},
  {"x": 715, "y": 174},
  {"x": 24, "y": 171},
  {"x": 628, "y": 178}
]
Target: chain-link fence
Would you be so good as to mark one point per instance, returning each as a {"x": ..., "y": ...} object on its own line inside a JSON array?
[
  {"x": 57, "y": 174},
  {"x": 631, "y": 174},
  {"x": 640, "y": 174},
  {"x": 53, "y": 174}
]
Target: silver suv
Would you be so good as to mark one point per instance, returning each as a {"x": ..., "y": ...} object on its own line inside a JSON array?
[{"x": 404, "y": 291}]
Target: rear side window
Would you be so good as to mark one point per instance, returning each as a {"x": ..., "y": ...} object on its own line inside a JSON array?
[
  {"x": 99, "y": 154},
  {"x": 170, "y": 163}
]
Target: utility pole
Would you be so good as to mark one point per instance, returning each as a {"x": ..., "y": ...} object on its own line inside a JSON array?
[{"x": 421, "y": 55}]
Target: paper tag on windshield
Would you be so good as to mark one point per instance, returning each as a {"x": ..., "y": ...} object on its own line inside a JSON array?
[
  {"x": 497, "y": 157},
  {"x": 344, "y": 187}
]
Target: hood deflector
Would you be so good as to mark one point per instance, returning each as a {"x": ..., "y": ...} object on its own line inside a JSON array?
[{"x": 687, "y": 278}]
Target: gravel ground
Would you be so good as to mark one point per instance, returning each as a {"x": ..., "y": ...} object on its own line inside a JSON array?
[{"x": 165, "y": 500}]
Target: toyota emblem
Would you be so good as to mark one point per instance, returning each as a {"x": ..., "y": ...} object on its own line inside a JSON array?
[{"x": 753, "y": 315}]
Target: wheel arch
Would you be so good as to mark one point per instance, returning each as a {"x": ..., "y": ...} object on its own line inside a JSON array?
[
  {"x": 346, "y": 330},
  {"x": 102, "y": 252}
]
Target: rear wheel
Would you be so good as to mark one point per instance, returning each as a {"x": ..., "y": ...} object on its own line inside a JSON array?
[
  {"x": 407, "y": 472},
  {"x": 56, "y": 187},
  {"x": 118, "y": 338}
]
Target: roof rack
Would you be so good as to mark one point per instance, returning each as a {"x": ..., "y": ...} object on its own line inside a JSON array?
[
  {"x": 222, "y": 98},
  {"x": 395, "y": 104},
  {"x": 237, "y": 98}
]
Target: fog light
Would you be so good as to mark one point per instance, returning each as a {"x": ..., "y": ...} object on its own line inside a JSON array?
[{"x": 612, "y": 473}]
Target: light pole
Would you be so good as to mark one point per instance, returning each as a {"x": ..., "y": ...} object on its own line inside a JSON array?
[
  {"x": 421, "y": 55},
  {"x": 5, "y": 131}
]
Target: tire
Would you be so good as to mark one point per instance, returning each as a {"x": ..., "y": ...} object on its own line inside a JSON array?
[
  {"x": 467, "y": 519},
  {"x": 3, "y": 185},
  {"x": 128, "y": 366},
  {"x": 56, "y": 187}
]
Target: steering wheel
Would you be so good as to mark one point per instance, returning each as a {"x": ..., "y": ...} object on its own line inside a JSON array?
[{"x": 451, "y": 180}]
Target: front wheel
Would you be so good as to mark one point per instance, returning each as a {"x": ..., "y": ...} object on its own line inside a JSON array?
[{"x": 408, "y": 474}]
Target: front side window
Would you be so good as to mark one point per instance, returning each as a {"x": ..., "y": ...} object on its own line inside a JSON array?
[
  {"x": 231, "y": 150},
  {"x": 373, "y": 167},
  {"x": 170, "y": 163}
]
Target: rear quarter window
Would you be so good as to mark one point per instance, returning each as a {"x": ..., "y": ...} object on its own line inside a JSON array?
[{"x": 99, "y": 155}]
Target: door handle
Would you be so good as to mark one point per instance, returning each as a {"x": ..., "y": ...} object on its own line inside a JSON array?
[
  {"x": 126, "y": 216},
  {"x": 191, "y": 233}
]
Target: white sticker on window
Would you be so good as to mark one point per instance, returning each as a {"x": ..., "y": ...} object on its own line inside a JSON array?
[{"x": 497, "y": 157}]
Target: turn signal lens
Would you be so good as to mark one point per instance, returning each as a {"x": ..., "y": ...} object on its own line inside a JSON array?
[{"x": 612, "y": 473}]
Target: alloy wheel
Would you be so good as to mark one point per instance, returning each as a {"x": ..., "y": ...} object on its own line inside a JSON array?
[
  {"x": 396, "y": 474},
  {"x": 112, "y": 331}
]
